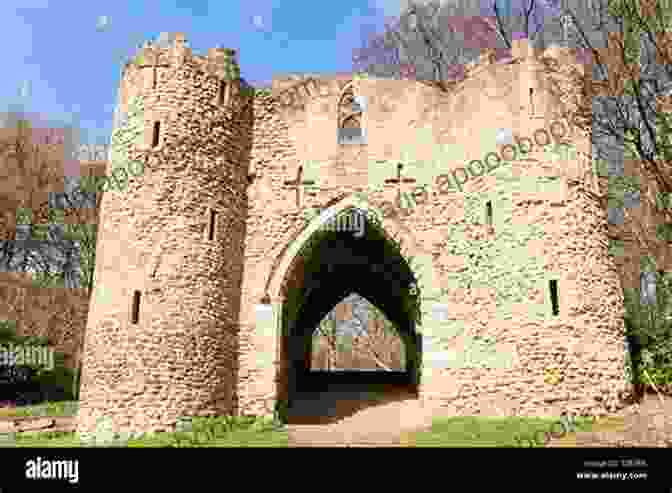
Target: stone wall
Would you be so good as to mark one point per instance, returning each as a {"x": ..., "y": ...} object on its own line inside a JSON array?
[
  {"x": 468, "y": 265},
  {"x": 200, "y": 345},
  {"x": 156, "y": 258}
]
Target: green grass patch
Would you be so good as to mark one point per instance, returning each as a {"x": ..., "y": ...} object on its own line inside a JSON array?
[
  {"x": 221, "y": 431},
  {"x": 487, "y": 432},
  {"x": 240, "y": 438},
  {"x": 47, "y": 409}
]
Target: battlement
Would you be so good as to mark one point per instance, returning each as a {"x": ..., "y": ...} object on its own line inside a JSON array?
[
  {"x": 152, "y": 76},
  {"x": 175, "y": 52},
  {"x": 520, "y": 50}
]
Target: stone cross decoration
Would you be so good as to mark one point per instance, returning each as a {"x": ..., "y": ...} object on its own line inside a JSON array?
[
  {"x": 399, "y": 181},
  {"x": 296, "y": 184}
]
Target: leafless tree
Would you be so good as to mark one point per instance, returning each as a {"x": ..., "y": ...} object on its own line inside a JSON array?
[
  {"x": 30, "y": 170},
  {"x": 623, "y": 102},
  {"x": 433, "y": 41},
  {"x": 55, "y": 237},
  {"x": 59, "y": 249},
  {"x": 374, "y": 335},
  {"x": 366, "y": 338}
]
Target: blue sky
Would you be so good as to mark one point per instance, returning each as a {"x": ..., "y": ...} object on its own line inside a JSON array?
[{"x": 61, "y": 68}]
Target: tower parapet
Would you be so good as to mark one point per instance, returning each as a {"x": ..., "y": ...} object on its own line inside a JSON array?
[
  {"x": 142, "y": 73},
  {"x": 163, "y": 317}
]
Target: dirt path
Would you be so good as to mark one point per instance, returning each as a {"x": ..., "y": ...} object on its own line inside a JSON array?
[
  {"x": 353, "y": 421},
  {"x": 348, "y": 417}
]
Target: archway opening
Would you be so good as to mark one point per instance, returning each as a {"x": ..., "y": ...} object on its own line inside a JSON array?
[
  {"x": 340, "y": 260},
  {"x": 356, "y": 336}
]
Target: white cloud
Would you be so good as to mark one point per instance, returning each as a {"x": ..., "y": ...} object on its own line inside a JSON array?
[
  {"x": 258, "y": 22},
  {"x": 504, "y": 136},
  {"x": 361, "y": 101},
  {"x": 25, "y": 89},
  {"x": 103, "y": 23}
]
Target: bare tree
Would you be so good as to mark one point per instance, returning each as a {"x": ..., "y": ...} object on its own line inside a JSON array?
[
  {"x": 433, "y": 42},
  {"x": 365, "y": 338},
  {"x": 32, "y": 169},
  {"x": 77, "y": 234},
  {"x": 621, "y": 104},
  {"x": 374, "y": 335},
  {"x": 55, "y": 236}
]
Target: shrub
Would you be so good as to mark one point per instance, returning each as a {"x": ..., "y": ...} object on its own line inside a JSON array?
[
  {"x": 31, "y": 384},
  {"x": 57, "y": 384},
  {"x": 649, "y": 334}
]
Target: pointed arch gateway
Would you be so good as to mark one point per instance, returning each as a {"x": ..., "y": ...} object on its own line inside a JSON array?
[{"x": 323, "y": 266}]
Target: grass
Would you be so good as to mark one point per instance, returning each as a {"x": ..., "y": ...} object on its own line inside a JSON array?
[
  {"x": 493, "y": 432},
  {"x": 203, "y": 432},
  {"x": 234, "y": 438},
  {"x": 260, "y": 432},
  {"x": 47, "y": 409}
]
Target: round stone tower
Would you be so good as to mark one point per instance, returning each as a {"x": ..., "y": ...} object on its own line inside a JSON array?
[{"x": 162, "y": 332}]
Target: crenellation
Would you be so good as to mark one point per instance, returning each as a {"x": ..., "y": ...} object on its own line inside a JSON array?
[{"x": 213, "y": 226}]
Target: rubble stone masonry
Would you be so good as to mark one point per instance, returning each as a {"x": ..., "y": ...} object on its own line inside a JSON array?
[{"x": 196, "y": 256}]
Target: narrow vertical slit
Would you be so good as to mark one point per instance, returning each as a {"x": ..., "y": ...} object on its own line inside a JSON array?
[
  {"x": 213, "y": 225},
  {"x": 488, "y": 213},
  {"x": 531, "y": 101},
  {"x": 554, "y": 296},
  {"x": 135, "y": 311},
  {"x": 221, "y": 92},
  {"x": 155, "y": 135}
]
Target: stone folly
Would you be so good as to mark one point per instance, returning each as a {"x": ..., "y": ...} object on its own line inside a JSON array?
[{"x": 210, "y": 279}]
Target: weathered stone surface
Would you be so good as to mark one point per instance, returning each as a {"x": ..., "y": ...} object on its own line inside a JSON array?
[{"x": 196, "y": 347}]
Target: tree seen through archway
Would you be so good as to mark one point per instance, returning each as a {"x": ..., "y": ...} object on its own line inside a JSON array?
[{"x": 356, "y": 336}]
